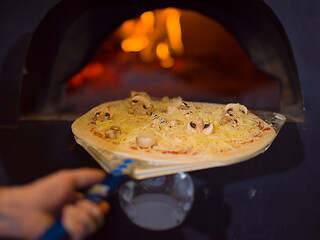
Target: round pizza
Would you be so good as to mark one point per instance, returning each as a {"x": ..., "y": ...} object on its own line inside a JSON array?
[{"x": 171, "y": 130}]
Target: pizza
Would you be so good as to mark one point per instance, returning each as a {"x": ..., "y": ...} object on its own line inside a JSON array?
[{"x": 172, "y": 130}]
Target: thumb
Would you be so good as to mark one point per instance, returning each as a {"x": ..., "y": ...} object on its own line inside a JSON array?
[
  {"x": 85, "y": 177},
  {"x": 57, "y": 189}
]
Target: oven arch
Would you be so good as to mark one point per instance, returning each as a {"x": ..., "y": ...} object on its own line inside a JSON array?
[{"x": 71, "y": 32}]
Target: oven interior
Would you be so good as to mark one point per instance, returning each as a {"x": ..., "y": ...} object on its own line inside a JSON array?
[{"x": 226, "y": 55}]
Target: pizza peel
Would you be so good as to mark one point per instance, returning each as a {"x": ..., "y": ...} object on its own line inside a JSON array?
[
  {"x": 118, "y": 166},
  {"x": 143, "y": 168}
]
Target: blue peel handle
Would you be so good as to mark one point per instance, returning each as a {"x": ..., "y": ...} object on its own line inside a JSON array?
[
  {"x": 56, "y": 231},
  {"x": 96, "y": 193}
]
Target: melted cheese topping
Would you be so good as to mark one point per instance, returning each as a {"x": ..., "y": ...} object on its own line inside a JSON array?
[{"x": 168, "y": 123}]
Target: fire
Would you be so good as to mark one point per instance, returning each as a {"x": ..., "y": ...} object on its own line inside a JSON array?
[
  {"x": 138, "y": 50},
  {"x": 155, "y": 35},
  {"x": 163, "y": 54},
  {"x": 174, "y": 30},
  {"x": 134, "y": 44}
]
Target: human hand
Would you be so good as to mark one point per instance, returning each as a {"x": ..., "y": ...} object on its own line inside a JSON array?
[{"x": 27, "y": 211}]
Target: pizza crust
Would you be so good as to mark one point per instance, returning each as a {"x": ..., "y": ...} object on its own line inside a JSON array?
[{"x": 85, "y": 137}]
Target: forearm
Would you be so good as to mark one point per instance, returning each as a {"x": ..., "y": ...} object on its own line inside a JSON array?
[
  {"x": 17, "y": 219},
  {"x": 6, "y": 218}
]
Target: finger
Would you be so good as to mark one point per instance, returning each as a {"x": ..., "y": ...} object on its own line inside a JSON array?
[
  {"x": 60, "y": 186},
  {"x": 85, "y": 214},
  {"x": 84, "y": 218},
  {"x": 93, "y": 210},
  {"x": 85, "y": 177},
  {"x": 77, "y": 222}
]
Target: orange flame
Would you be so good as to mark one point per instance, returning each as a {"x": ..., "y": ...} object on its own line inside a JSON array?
[
  {"x": 174, "y": 30},
  {"x": 155, "y": 35}
]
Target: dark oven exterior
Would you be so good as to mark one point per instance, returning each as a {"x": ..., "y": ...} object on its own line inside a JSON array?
[{"x": 273, "y": 196}]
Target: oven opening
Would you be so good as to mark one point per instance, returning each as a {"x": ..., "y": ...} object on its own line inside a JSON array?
[
  {"x": 171, "y": 52},
  {"x": 89, "y": 52}
]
